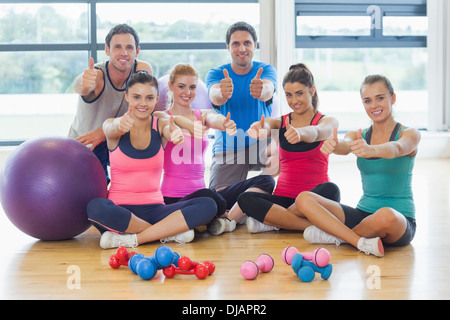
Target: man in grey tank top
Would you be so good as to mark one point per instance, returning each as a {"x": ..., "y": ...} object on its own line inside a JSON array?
[{"x": 101, "y": 88}]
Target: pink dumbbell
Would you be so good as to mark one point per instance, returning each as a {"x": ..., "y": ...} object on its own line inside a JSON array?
[
  {"x": 250, "y": 269},
  {"x": 320, "y": 257}
]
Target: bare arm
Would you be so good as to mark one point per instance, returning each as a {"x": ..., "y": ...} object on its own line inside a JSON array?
[
  {"x": 338, "y": 146},
  {"x": 262, "y": 129},
  {"x": 89, "y": 84},
  {"x": 406, "y": 145},
  {"x": 309, "y": 134},
  {"x": 182, "y": 122},
  {"x": 170, "y": 131},
  {"x": 114, "y": 128},
  {"x": 219, "y": 122}
]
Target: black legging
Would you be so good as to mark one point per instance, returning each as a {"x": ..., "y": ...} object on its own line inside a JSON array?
[
  {"x": 227, "y": 197},
  {"x": 257, "y": 205}
]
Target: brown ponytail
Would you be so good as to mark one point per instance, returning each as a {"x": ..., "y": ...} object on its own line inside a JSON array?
[{"x": 300, "y": 73}]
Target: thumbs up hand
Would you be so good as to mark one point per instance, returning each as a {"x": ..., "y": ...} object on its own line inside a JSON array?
[
  {"x": 89, "y": 78},
  {"x": 126, "y": 122},
  {"x": 258, "y": 130},
  {"x": 331, "y": 143},
  {"x": 230, "y": 125},
  {"x": 176, "y": 135},
  {"x": 200, "y": 128},
  {"x": 226, "y": 85},
  {"x": 256, "y": 86},
  {"x": 292, "y": 134},
  {"x": 359, "y": 147}
]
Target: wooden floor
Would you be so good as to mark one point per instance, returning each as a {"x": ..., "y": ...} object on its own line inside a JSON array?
[{"x": 33, "y": 269}]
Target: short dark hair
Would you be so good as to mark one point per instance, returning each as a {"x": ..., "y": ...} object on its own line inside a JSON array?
[
  {"x": 122, "y": 29},
  {"x": 241, "y": 26},
  {"x": 142, "y": 76}
]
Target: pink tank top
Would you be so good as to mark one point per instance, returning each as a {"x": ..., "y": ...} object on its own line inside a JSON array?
[
  {"x": 302, "y": 165},
  {"x": 136, "y": 174},
  {"x": 184, "y": 166}
]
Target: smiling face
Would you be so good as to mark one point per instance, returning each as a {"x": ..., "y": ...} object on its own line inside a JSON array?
[
  {"x": 184, "y": 89},
  {"x": 242, "y": 48},
  {"x": 299, "y": 97},
  {"x": 142, "y": 98},
  {"x": 122, "y": 51},
  {"x": 377, "y": 101}
]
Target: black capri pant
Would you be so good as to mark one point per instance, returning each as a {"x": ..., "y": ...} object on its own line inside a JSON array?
[
  {"x": 105, "y": 215},
  {"x": 226, "y": 198},
  {"x": 256, "y": 205}
]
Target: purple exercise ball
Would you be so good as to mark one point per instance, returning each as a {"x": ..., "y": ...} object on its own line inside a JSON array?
[{"x": 46, "y": 184}]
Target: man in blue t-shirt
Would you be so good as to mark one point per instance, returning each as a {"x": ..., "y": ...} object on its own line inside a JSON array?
[{"x": 245, "y": 89}]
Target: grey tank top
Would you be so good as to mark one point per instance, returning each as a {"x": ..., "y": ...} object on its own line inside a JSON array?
[{"x": 110, "y": 103}]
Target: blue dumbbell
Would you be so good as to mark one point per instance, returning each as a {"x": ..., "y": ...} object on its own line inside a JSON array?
[
  {"x": 163, "y": 257},
  {"x": 298, "y": 262}
]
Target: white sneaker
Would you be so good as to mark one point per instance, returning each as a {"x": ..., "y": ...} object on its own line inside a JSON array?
[
  {"x": 110, "y": 240},
  {"x": 221, "y": 225},
  {"x": 243, "y": 221},
  {"x": 312, "y": 234},
  {"x": 371, "y": 246},
  {"x": 254, "y": 226},
  {"x": 183, "y": 237}
]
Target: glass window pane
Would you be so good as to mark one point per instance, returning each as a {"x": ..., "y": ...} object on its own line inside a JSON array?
[
  {"x": 25, "y": 116},
  {"x": 162, "y": 61},
  {"x": 339, "y": 73},
  {"x": 36, "y": 93},
  {"x": 43, "y": 23},
  {"x": 41, "y": 71},
  {"x": 165, "y": 22},
  {"x": 333, "y": 26},
  {"x": 405, "y": 26}
]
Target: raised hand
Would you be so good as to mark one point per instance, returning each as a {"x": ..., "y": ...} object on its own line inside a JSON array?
[
  {"x": 126, "y": 122},
  {"x": 230, "y": 125},
  {"x": 257, "y": 130},
  {"x": 226, "y": 85},
  {"x": 331, "y": 143},
  {"x": 359, "y": 147},
  {"x": 200, "y": 128},
  {"x": 256, "y": 86},
  {"x": 176, "y": 135},
  {"x": 89, "y": 78},
  {"x": 292, "y": 134}
]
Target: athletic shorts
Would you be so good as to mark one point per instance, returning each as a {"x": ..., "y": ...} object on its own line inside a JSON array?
[{"x": 354, "y": 216}]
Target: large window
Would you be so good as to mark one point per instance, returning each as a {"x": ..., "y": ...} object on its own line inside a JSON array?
[
  {"x": 343, "y": 41},
  {"x": 45, "y": 44}
]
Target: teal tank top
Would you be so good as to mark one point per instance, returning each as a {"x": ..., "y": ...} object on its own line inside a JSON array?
[{"x": 387, "y": 182}]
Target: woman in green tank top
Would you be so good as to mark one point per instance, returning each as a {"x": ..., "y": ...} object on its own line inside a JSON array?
[{"x": 385, "y": 215}]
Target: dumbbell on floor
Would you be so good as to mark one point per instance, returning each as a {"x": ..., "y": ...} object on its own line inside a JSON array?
[
  {"x": 147, "y": 267},
  {"x": 120, "y": 258},
  {"x": 188, "y": 267},
  {"x": 320, "y": 257},
  {"x": 250, "y": 269},
  {"x": 298, "y": 263}
]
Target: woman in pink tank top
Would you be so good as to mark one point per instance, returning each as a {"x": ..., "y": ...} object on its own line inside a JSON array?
[
  {"x": 302, "y": 166},
  {"x": 134, "y": 212}
]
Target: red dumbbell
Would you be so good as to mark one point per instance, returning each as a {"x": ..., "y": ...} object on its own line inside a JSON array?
[
  {"x": 201, "y": 271},
  {"x": 185, "y": 264},
  {"x": 120, "y": 258}
]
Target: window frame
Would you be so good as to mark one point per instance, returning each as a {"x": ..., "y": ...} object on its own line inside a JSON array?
[
  {"x": 93, "y": 44},
  {"x": 403, "y": 8}
]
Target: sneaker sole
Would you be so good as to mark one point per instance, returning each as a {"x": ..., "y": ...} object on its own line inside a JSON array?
[{"x": 380, "y": 247}]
